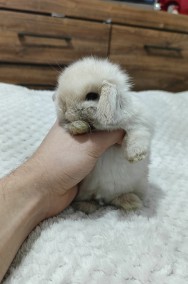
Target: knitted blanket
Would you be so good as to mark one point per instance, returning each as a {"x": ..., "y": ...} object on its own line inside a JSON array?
[{"x": 109, "y": 246}]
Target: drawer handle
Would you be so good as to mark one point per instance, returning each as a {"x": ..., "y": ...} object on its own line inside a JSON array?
[
  {"x": 172, "y": 51},
  {"x": 25, "y": 34}
]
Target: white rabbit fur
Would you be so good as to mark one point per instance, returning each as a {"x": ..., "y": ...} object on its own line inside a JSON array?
[{"x": 115, "y": 179}]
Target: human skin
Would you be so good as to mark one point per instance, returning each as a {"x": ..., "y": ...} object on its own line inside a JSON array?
[{"x": 46, "y": 184}]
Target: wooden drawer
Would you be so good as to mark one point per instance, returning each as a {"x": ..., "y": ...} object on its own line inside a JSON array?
[
  {"x": 155, "y": 59},
  {"x": 40, "y": 39},
  {"x": 35, "y": 76},
  {"x": 101, "y": 10}
]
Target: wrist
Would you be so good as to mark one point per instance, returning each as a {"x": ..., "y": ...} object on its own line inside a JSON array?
[
  {"x": 20, "y": 212},
  {"x": 19, "y": 192},
  {"x": 46, "y": 186}
]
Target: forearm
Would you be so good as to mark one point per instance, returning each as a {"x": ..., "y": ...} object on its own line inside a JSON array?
[
  {"x": 46, "y": 184},
  {"x": 20, "y": 212}
]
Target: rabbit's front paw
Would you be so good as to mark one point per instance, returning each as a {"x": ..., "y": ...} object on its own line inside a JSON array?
[
  {"x": 135, "y": 153},
  {"x": 77, "y": 127}
]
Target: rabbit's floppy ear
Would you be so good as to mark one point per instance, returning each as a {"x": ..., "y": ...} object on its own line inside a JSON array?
[{"x": 107, "y": 105}]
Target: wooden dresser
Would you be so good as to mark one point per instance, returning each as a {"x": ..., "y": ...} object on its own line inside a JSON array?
[{"x": 39, "y": 37}]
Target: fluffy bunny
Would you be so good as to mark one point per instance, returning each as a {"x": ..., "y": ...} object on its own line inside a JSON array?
[{"x": 93, "y": 94}]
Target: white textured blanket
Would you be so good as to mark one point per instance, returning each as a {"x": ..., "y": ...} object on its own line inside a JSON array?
[{"x": 108, "y": 247}]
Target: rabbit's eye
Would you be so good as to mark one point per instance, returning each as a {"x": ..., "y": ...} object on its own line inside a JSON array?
[{"x": 92, "y": 96}]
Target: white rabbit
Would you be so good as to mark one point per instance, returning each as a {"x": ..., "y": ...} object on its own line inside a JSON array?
[{"x": 93, "y": 94}]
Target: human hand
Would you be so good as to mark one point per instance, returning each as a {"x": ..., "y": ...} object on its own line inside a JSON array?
[
  {"x": 46, "y": 184},
  {"x": 62, "y": 161}
]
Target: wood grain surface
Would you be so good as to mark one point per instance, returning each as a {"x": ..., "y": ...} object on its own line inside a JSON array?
[
  {"x": 43, "y": 40},
  {"x": 40, "y": 77},
  {"x": 154, "y": 59},
  {"x": 102, "y": 10},
  {"x": 152, "y": 46}
]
